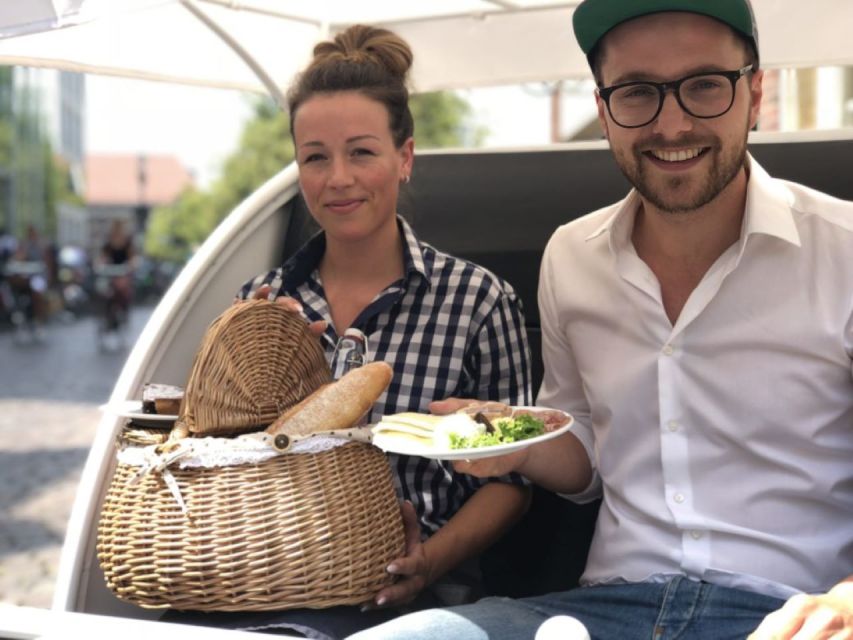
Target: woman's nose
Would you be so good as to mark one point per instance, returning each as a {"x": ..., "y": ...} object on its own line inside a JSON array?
[{"x": 341, "y": 175}]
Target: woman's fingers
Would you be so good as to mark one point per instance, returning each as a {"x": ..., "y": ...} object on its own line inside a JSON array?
[
  {"x": 317, "y": 328},
  {"x": 401, "y": 592},
  {"x": 262, "y": 292},
  {"x": 411, "y": 568}
]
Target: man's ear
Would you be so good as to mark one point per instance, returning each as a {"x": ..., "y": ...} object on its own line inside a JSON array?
[
  {"x": 756, "y": 92},
  {"x": 602, "y": 115}
]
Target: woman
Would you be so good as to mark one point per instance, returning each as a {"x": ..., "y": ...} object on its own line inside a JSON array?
[
  {"x": 447, "y": 327},
  {"x": 114, "y": 270}
]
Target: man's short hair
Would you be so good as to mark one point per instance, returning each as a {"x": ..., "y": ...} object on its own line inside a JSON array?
[{"x": 593, "y": 19}]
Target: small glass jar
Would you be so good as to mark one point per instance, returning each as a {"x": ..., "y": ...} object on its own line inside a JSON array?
[{"x": 350, "y": 352}]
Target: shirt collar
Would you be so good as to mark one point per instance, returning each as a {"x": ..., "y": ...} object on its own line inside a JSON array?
[
  {"x": 302, "y": 264},
  {"x": 768, "y": 211},
  {"x": 413, "y": 254},
  {"x": 768, "y": 206},
  {"x": 618, "y": 222}
]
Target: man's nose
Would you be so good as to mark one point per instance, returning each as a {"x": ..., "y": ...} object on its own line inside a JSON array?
[{"x": 672, "y": 119}]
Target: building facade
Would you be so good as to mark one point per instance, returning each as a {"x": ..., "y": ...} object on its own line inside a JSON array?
[{"x": 42, "y": 116}]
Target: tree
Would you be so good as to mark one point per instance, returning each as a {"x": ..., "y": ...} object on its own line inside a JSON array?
[
  {"x": 443, "y": 119},
  {"x": 175, "y": 231}
]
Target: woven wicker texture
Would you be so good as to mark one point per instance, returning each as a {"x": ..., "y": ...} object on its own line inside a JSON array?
[
  {"x": 133, "y": 435},
  {"x": 310, "y": 530},
  {"x": 256, "y": 360}
]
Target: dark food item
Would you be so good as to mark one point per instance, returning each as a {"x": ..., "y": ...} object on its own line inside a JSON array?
[
  {"x": 482, "y": 419},
  {"x": 161, "y": 399},
  {"x": 489, "y": 409}
]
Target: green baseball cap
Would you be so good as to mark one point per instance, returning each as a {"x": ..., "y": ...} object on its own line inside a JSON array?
[{"x": 594, "y": 18}]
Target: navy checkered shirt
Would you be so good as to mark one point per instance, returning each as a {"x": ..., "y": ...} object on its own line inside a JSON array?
[{"x": 448, "y": 328}]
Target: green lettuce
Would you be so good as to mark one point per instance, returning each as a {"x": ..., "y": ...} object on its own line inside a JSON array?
[{"x": 507, "y": 430}]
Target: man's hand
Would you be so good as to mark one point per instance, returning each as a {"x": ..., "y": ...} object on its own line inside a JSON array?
[
  {"x": 493, "y": 466},
  {"x": 413, "y": 568},
  {"x": 482, "y": 467},
  {"x": 812, "y": 617},
  {"x": 263, "y": 293},
  {"x": 449, "y": 405}
]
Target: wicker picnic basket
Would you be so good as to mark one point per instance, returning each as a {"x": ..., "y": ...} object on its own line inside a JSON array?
[
  {"x": 256, "y": 360},
  {"x": 298, "y": 530}
]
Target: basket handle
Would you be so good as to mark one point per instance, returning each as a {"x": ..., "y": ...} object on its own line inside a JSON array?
[{"x": 283, "y": 442}]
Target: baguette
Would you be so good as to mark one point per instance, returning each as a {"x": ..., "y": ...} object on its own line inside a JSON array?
[{"x": 337, "y": 405}]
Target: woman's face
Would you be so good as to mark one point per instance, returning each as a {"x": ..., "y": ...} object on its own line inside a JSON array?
[{"x": 349, "y": 168}]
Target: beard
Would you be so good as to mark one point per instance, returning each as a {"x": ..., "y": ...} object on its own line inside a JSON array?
[{"x": 682, "y": 193}]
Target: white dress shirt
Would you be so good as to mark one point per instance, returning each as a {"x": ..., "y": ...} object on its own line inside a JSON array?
[{"x": 723, "y": 445}]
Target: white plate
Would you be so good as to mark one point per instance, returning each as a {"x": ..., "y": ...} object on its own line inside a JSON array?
[
  {"x": 133, "y": 409},
  {"x": 401, "y": 445}
]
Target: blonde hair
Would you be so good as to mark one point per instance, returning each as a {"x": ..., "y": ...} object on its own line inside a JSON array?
[{"x": 372, "y": 61}]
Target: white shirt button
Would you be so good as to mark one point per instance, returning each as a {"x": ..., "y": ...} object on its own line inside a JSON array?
[
  {"x": 672, "y": 425},
  {"x": 678, "y": 497},
  {"x": 695, "y": 534},
  {"x": 667, "y": 350}
]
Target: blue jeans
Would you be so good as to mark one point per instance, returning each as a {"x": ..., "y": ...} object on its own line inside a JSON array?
[{"x": 677, "y": 609}]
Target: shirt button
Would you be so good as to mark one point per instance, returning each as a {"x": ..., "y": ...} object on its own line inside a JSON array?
[
  {"x": 672, "y": 425},
  {"x": 678, "y": 497},
  {"x": 695, "y": 534},
  {"x": 667, "y": 350}
]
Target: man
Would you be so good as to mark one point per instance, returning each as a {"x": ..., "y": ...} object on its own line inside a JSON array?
[{"x": 701, "y": 333}]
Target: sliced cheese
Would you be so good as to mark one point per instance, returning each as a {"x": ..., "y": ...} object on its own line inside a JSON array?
[
  {"x": 427, "y": 429},
  {"x": 419, "y": 424}
]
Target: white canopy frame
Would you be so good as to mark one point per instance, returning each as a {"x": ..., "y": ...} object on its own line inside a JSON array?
[{"x": 259, "y": 45}]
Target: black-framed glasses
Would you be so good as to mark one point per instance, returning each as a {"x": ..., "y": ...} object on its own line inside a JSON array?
[{"x": 702, "y": 95}]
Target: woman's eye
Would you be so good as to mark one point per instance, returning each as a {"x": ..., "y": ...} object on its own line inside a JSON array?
[
  {"x": 314, "y": 157},
  {"x": 362, "y": 152}
]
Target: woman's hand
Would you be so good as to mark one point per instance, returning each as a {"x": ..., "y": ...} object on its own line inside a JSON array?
[
  {"x": 263, "y": 293},
  {"x": 413, "y": 568},
  {"x": 812, "y": 617}
]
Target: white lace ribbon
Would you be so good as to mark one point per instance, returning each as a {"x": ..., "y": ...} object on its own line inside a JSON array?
[{"x": 210, "y": 452}]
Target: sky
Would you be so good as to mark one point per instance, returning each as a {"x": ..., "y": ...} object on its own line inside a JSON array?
[{"x": 202, "y": 126}]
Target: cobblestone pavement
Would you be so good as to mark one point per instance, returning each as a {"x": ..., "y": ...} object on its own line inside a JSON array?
[{"x": 49, "y": 398}]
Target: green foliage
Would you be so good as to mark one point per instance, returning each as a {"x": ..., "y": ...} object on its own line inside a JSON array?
[
  {"x": 41, "y": 180},
  {"x": 175, "y": 231},
  {"x": 5, "y": 143},
  {"x": 442, "y": 119}
]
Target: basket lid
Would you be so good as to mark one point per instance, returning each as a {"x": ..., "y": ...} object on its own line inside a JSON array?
[{"x": 256, "y": 360}]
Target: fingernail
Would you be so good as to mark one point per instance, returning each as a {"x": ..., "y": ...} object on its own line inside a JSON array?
[
  {"x": 392, "y": 568},
  {"x": 381, "y": 600}
]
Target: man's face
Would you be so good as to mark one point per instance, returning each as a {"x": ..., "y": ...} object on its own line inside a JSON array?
[{"x": 678, "y": 162}]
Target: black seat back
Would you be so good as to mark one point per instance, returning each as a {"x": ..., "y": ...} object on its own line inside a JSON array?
[{"x": 498, "y": 209}]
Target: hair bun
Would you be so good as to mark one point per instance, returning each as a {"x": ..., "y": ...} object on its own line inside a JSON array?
[
  {"x": 370, "y": 60},
  {"x": 363, "y": 44}
]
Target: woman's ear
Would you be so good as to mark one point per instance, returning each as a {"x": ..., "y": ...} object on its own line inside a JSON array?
[{"x": 407, "y": 155}]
